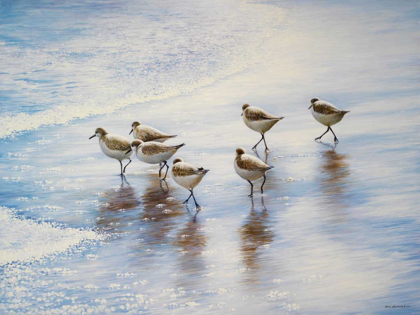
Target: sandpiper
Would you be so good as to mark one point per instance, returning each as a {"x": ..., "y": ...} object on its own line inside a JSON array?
[
  {"x": 250, "y": 168},
  {"x": 155, "y": 153},
  {"x": 146, "y": 133},
  {"x": 114, "y": 146},
  {"x": 259, "y": 120},
  {"x": 188, "y": 176},
  {"x": 327, "y": 114}
]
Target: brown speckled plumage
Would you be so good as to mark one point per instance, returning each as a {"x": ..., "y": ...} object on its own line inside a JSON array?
[
  {"x": 255, "y": 114},
  {"x": 183, "y": 169},
  {"x": 150, "y": 134},
  {"x": 250, "y": 163},
  {"x": 156, "y": 148},
  {"x": 325, "y": 109},
  {"x": 116, "y": 142}
]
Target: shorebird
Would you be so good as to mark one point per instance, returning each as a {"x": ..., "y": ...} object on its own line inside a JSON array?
[
  {"x": 327, "y": 114},
  {"x": 146, "y": 133},
  {"x": 250, "y": 168},
  {"x": 188, "y": 176},
  {"x": 154, "y": 153},
  {"x": 114, "y": 146},
  {"x": 259, "y": 120}
]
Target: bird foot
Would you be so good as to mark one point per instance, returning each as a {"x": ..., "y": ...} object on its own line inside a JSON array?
[{"x": 336, "y": 140}]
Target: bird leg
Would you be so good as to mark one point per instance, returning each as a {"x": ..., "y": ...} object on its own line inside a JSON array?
[
  {"x": 126, "y": 166},
  {"x": 167, "y": 169},
  {"x": 335, "y": 137},
  {"x": 121, "y": 167},
  {"x": 262, "y": 191},
  {"x": 186, "y": 201},
  {"x": 255, "y": 146},
  {"x": 161, "y": 168},
  {"x": 322, "y": 134},
  {"x": 266, "y": 148},
  {"x": 197, "y": 206},
  {"x": 252, "y": 189}
]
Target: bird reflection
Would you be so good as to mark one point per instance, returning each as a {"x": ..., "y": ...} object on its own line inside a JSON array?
[
  {"x": 115, "y": 206},
  {"x": 334, "y": 186},
  {"x": 255, "y": 234},
  {"x": 335, "y": 170},
  {"x": 160, "y": 211},
  {"x": 190, "y": 242}
]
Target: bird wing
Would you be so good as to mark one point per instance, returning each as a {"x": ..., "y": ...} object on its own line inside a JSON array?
[
  {"x": 253, "y": 113},
  {"x": 148, "y": 133},
  {"x": 186, "y": 169},
  {"x": 325, "y": 108},
  {"x": 251, "y": 163},
  {"x": 152, "y": 148},
  {"x": 114, "y": 142}
]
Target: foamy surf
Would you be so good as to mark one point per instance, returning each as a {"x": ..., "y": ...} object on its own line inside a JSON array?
[
  {"x": 23, "y": 240},
  {"x": 168, "y": 50}
]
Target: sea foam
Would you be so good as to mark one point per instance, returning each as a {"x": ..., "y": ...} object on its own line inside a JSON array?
[{"x": 23, "y": 240}]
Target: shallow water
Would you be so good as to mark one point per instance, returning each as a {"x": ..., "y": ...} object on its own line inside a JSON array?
[{"x": 336, "y": 231}]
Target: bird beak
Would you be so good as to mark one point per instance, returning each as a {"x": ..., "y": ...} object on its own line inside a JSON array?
[
  {"x": 128, "y": 151},
  {"x": 92, "y": 137},
  {"x": 131, "y": 131},
  {"x": 310, "y": 106},
  {"x": 242, "y": 114}
]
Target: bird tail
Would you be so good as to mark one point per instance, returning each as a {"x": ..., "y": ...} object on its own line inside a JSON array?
[
  {"x": 345, "y": 112},
  {"x": 203, "y": 171},
  {"x": 275, "y": 118},
  {"x": 176, "y": 147},
  {"x": 169, "y": 136}
]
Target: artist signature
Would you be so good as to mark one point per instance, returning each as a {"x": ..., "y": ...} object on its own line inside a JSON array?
[{"x": 397, "y": 306}]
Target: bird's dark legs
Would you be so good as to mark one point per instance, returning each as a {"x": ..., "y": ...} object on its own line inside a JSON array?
[
  {"x": 262, "y": 191},
  {"x": 160, "y": 170},
  {"x": 255, "y": 146},
  {"x": 188, "y": 197},
  {"x": 252, "y": 189},
  {"x": 323, "y": 134},
  {"x": 121, "y": 167},
  {"x": 167, "y": 169},
  {"x": 126, "y": 166},
  {"x": 266, "y": 148},
  {"x": 197, "y": 206},
  {"x": 335, "y": 137}
]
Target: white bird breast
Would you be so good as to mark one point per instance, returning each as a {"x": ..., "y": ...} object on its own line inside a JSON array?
[
  {"x": 114, "y": 154},
  {"x": 248, "y": 175},
  {"x": 327, "y": 120},
  {"x": 259, "y": 126},
  {"x": 188, "y": 182}
]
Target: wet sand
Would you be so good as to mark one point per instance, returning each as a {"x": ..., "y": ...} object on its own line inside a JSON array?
[{"x": 336, "y": 231}]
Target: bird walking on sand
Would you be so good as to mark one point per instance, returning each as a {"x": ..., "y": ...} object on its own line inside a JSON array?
[
  {"x": 114, "y": 146},
  {"x": 250, "y": 168},
  {"x": 259, "y": 120},
  {"x": 327, "y": 114},
  {"x": 188, "y": 176},
  {"x": 154, "y": 153},
  {"x": 146, "y": 133}
]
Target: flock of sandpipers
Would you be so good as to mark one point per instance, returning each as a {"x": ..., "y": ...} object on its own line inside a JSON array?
[{"x": 149, "y": 147}]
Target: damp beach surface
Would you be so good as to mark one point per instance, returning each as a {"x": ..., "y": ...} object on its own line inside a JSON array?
[{"x": 337, "y": 229}]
